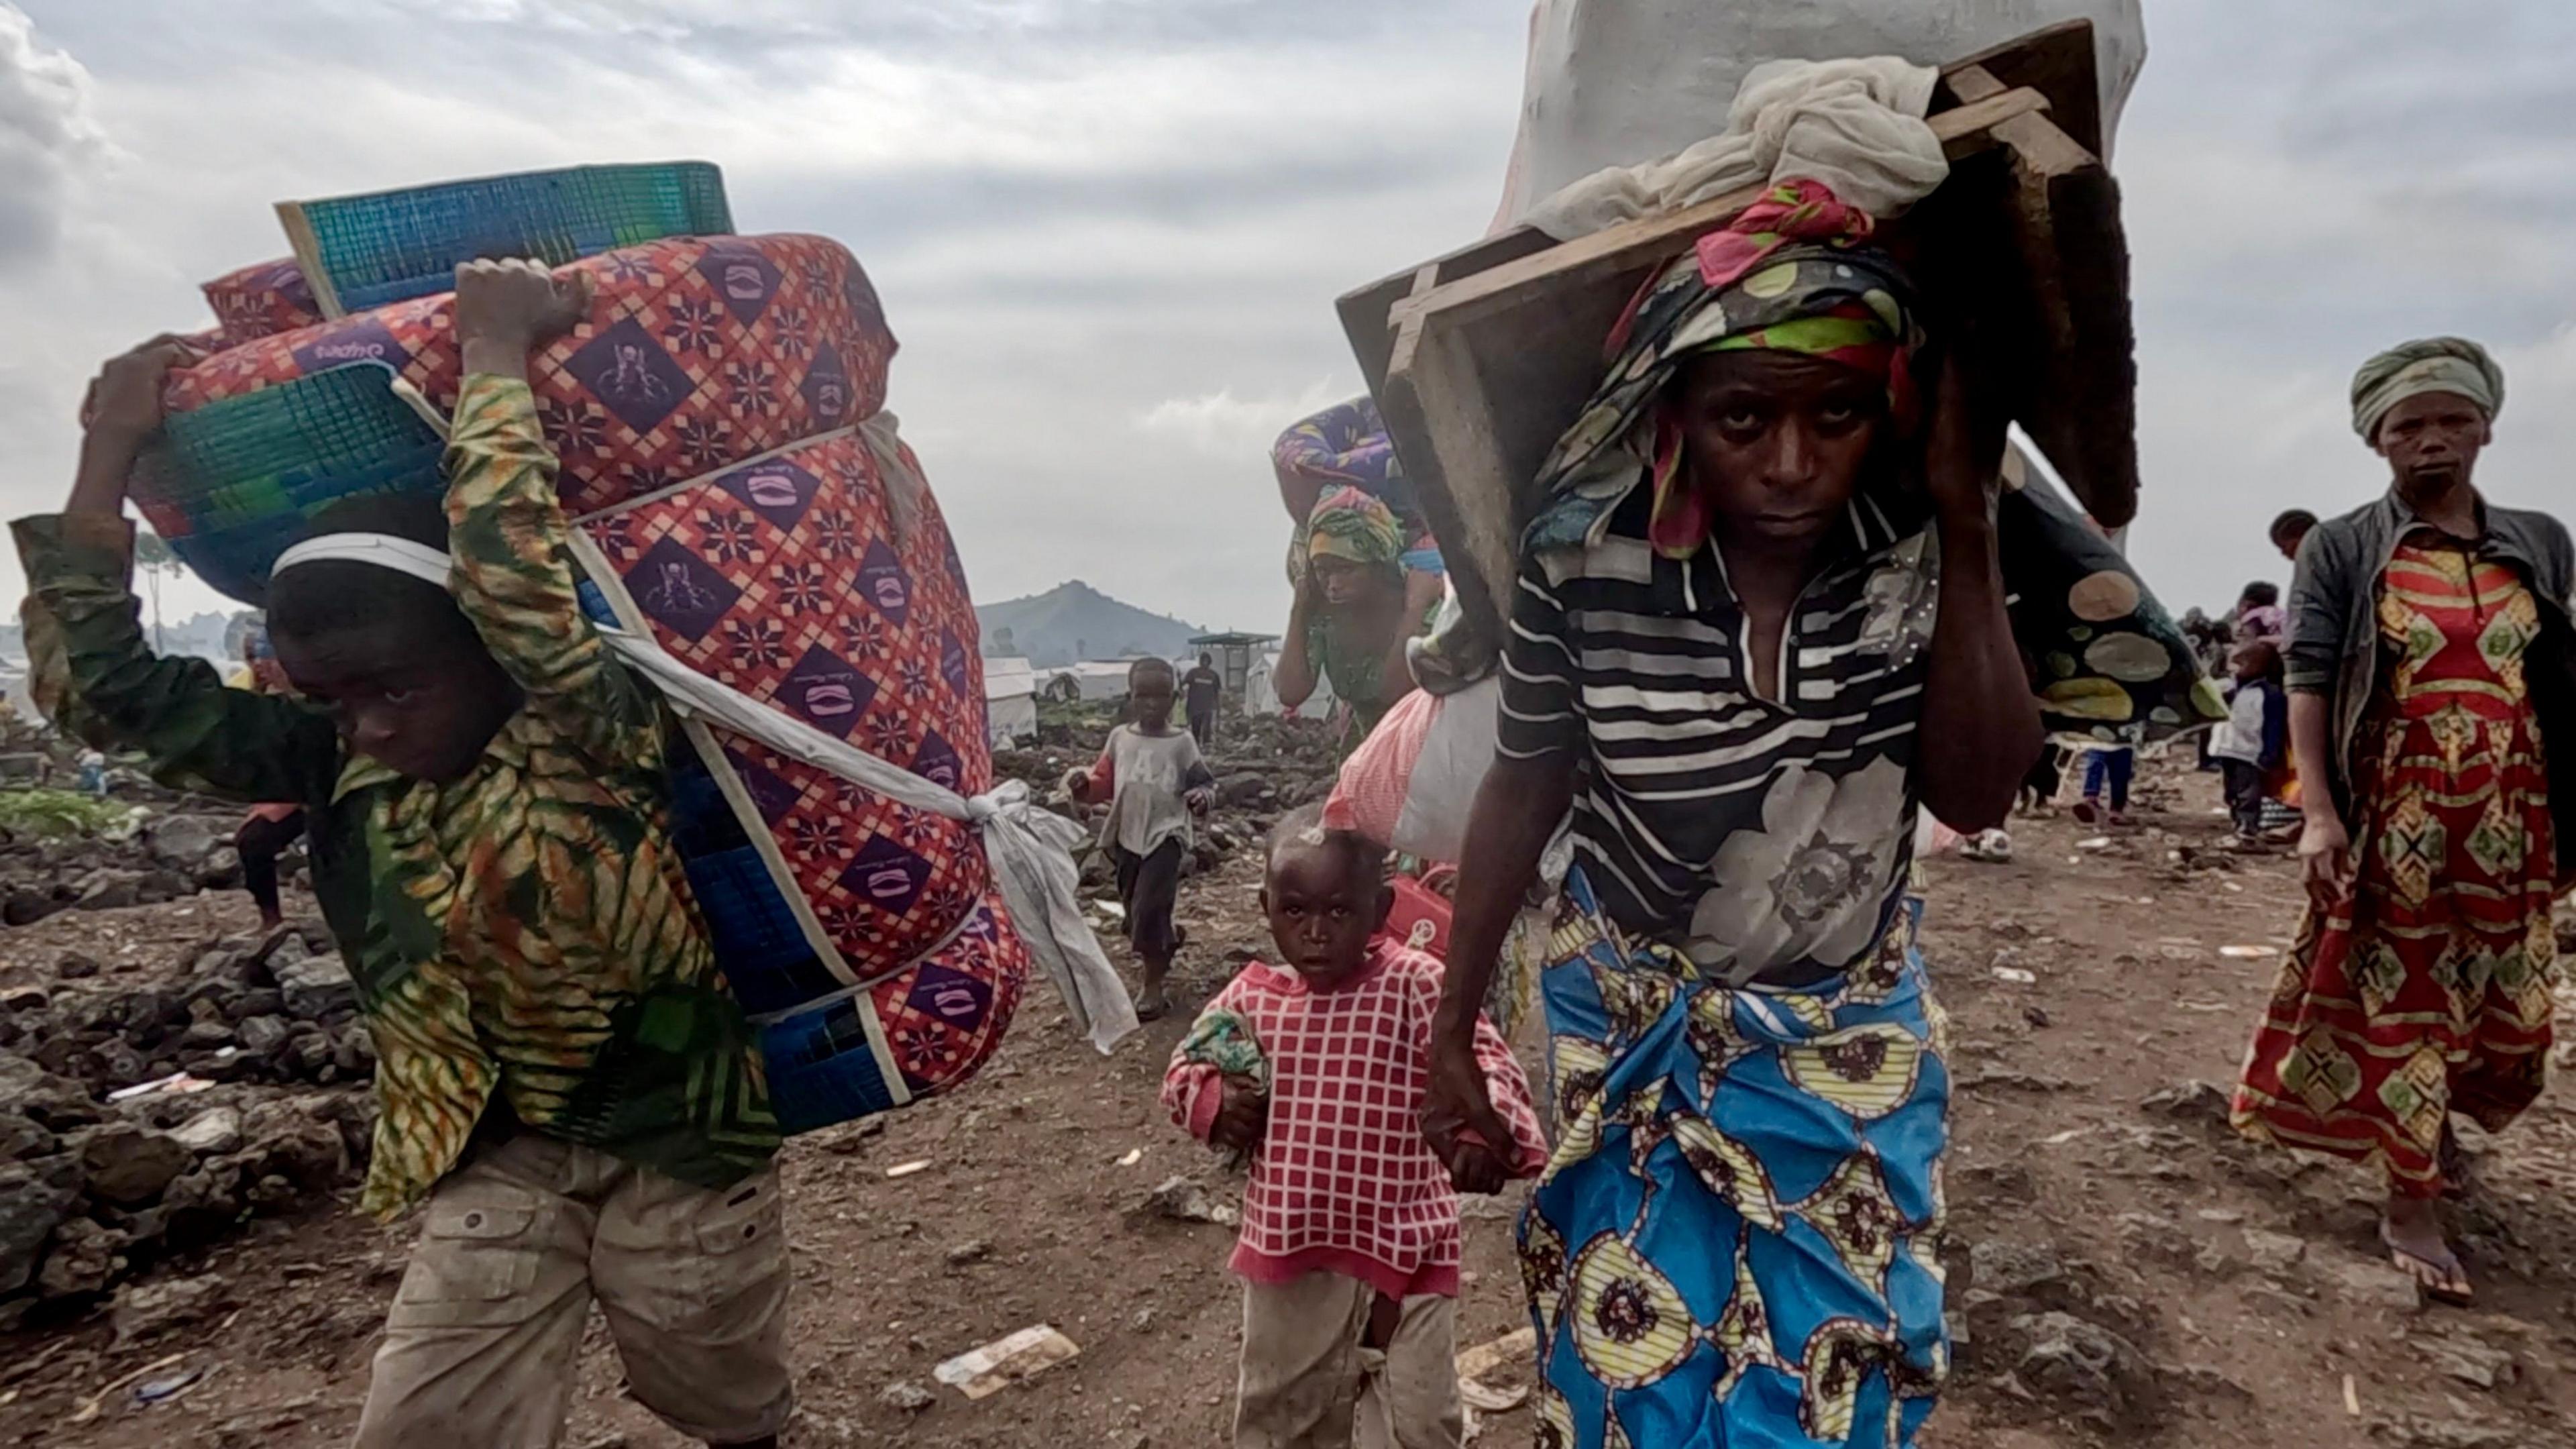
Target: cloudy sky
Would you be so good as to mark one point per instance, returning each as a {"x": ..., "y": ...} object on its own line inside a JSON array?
[{"x": 1109, "y": 232}]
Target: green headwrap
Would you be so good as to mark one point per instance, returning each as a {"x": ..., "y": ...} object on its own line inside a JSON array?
[
  {"x": 1349, "y": 523},
  {"x": 2412, "y": 369}
]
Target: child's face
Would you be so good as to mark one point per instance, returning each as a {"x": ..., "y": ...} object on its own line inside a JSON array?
[
  {"x": 1152, "y": 696},
  {"x": 1322, "y": 912},
  {"x": 427, "y": 714},
  {"x": 2251, "y": 662}
]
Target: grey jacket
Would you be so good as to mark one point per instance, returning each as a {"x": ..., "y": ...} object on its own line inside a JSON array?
[{"x": 2334, "y": 620}]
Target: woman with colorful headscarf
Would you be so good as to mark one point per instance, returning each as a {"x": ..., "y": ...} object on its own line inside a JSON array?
[
  {"x": 2430, "y": 702},
  {"x": 1760, "y": 620},
  {"x": 1356, "y": 608}
]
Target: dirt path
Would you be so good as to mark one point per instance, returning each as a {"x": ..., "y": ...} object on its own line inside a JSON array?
[{"x": 2123, "y": 1269}]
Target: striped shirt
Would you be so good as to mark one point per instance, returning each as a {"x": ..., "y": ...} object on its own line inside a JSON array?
[{"x": 1762, "y": 837}]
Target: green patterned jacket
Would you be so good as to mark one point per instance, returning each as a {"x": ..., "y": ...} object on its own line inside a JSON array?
[{"x": 526, "y": 932}]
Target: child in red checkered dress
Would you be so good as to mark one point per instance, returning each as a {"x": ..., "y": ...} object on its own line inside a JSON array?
[{"x": 1350, "y": 1246}]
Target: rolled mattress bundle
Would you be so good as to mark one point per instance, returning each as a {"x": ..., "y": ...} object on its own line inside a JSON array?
[{"x": 740, "y": 499}]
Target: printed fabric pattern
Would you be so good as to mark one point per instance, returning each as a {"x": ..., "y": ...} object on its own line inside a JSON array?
[
  {"x": 1794, "y": 273},
  {"x": 262, "y": 301},
  {"x": 2429, "y": 991},
  {"x": 790, "y": 579},
  {"x": 701, "y": 353},
  {"x": 1343, "y": 1181},
  {"x": 786, "y": 579},
  {"x": 1737, "y": 1241}
]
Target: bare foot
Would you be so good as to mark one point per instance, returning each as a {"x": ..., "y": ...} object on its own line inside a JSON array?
[
  {"x": 1155, "y": 1001},
  {"x": 2413, "y": 1235}
]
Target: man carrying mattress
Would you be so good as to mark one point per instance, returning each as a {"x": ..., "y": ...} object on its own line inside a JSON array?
[{"x": 564, "y": 1083}]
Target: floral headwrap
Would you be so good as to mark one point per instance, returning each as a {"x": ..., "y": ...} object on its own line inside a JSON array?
[
  {"x": 1349, "y": 523},
  {"x": 1792, "y": 274}
]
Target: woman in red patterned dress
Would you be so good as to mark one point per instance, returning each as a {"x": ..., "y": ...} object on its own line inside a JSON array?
[{"x": 2427, "y": 663}]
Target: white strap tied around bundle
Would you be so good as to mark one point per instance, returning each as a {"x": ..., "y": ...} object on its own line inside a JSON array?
[{"x": 1031, "y": 849}]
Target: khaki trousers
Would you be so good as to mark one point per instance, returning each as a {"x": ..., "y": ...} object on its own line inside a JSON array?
[
  {"x": 1310, "y": 1380},
  {"x": 515, "y": 1246}
]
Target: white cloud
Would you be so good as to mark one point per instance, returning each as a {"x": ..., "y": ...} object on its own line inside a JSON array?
[
  {"x": 1223, "y": 425},
  {"x": 46, "y": 136}
]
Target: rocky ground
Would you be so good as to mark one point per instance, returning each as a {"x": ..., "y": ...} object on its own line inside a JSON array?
[{"x": 2123, "y": 1270}]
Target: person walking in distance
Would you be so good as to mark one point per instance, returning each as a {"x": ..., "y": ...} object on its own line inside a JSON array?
[
  {"x": 1201, "y": 690},
  {"x": 2430, "y": 708}
]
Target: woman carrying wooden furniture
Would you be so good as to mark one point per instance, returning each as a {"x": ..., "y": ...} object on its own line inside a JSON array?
[{"x": 1760, "y": 621}]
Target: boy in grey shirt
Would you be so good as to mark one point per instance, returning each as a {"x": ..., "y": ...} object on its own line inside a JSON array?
[{"x": 1154, "y": 780}]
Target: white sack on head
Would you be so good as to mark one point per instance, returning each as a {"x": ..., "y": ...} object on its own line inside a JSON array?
[{"x": 1622, "y": 82}]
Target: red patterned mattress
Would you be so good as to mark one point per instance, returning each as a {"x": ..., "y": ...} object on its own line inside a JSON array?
[
  {"x": 933, "y": 1025},
  {"x": 262, "y": 301},
  {"x": 707, "y": 421},
  {"x": 701, "y": 352},
  {"x": 783, "y": 579}
]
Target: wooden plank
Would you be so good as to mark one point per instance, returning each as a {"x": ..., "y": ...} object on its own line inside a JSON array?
[
  {"x": 1364, "y": 310},
  {"x": 2060, "y": 63},
  {"x": 2079, "y": 400},
  {"x": 1530, "y": 331},
  {"x": 2044, "y": 147},
  {"x": 1480, "y": 543}
]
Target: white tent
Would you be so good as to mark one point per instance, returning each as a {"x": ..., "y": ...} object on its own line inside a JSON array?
[
  {"x": 1010, "y": 701},
  {"x": 1260, "y": 698},
  {"x": 1090, "y": 681}
]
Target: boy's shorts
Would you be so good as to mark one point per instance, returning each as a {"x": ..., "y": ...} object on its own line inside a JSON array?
[
  {"x": 1148, "y": 885},
  {"x": 1311, "y": 1380},
  {"x": 514, "y": 1247}
]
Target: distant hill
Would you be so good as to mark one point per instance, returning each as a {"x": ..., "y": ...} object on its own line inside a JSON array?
[{"x": 1073, "y": 622}]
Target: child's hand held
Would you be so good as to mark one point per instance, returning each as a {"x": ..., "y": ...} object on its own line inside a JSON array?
[
  {"x": 1459, "y": 1101},
  {"x": 1475, "y": 1169},
  {"x": 1242, "y": 1117}
]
